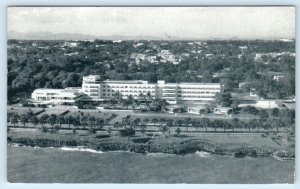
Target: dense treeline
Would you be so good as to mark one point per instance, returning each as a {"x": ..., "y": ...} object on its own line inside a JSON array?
[
  {"x": 53, "y": 64},
  {"x": 262, "y": 121}
]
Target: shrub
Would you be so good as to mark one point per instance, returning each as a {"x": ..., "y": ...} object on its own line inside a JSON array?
[
  {"x": 91, "y": 131},
  {"x": 127, "y": 132},
  {"x": 44, "y": 129}
]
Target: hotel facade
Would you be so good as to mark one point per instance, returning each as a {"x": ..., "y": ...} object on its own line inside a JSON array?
[{"x": 95, "y": 89}]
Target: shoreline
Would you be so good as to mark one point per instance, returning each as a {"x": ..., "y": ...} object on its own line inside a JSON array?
[{"x": 190, "y": 146}]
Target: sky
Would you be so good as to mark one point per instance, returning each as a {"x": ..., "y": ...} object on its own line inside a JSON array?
[{"x": 156, "y": 22}]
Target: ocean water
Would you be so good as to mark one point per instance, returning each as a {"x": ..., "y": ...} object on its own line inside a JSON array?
[{"x": 81, "y": 165}]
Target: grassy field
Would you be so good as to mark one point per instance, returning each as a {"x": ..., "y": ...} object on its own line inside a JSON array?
[
  {"x": 271, "y": 141},
  {"x": 21, "y": 110},
  {"x": 95, "y": 113},
  {"x": 56, "y": 111}
]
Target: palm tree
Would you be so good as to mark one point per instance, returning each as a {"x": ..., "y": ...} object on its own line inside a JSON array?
[
  {"x": 76, "y": 122},
  {"x": 178, "y": 131},
  {"x": 196, "y": 124},
  {"x": 143, "y": 127},
  {"x": 74, "y": 131},
  {"x": 141, "y": 97},
  {"x": 92, "y": 121},
  {"x": 178, "y": 122},
  {"x": 136, "y": 122},
  {"x": 164, "y": 128},
  {"x": 9, "y": 116},
  {"x": 52, "y": 120},
  {"x": 162, "y": 121},
  {"x": 205, "y": 122},
  {"x": 169, "y": 124},
  {"x": 109, "y": 130},
  {"x": 154, "y": 121},
  {"x": 100, "y": 123},
  {"x": 14, "y": 119},
  {"x": 187, "y": 122},
  {"x": 60, "y": 120},
  {"x": 225, "y": 124},
  {"x": 34, "y": 121},
  {"x": 146, "y": 120},
  {"x": 83, "y": 120},
  {"x": 43, "y": 119},
  {"x": 24, "y": 119},
  {"x": 216, "y": 123},
  {"x": 235, "y": 122},
  {"x": 29, "y": 114},
  {"x": 70, "y": 120},
  {"x": 116, "y": 125}
]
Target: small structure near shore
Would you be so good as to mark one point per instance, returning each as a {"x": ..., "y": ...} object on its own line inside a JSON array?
[{"x": 223, "y": 110}]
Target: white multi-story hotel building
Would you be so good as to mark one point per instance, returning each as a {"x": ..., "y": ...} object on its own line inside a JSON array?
[
  {"x": 94, "y": 89},
  {"x": 172, "y": 92}
]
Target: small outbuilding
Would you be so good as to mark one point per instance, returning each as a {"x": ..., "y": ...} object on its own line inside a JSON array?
[{"x": 223, "y": 110}]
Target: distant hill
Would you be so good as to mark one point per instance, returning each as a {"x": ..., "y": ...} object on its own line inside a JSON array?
[{"x": 72, "y": 36}]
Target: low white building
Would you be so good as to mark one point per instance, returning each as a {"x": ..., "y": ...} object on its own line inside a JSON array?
[
  {"x": 66, "y": 96},
  {"x": 223, "y": 110}
]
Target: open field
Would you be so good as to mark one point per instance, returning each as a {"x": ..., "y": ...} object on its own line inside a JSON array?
[
  {"x": 21, "y": 110},
  {"x": 279, "y": 141},
  {"x": 95, "y": 113},
  {"x": 56, "y": 111}
]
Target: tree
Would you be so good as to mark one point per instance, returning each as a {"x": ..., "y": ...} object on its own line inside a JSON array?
[
  {"x": 164, "y": 128},
  {"x": 251, "y": 110},
  {"x": 83, "y": 120},
  {"x": 235, "y": 104},
  {"x": 109, "y": 130},
  {"x": 263, "y": 115},
  {"x": 162, "y": 121},
  {"x": 74, "y": 131},
  {"x": 14, "y": 119},
  {"x": 223, "y": 99},
  {"x": 52, "y": 120},
  {"x": 146, "y": 120},
  {"x": 275, "y": 112},
  {"x": 178, "y": 122},
  {"x": 143, "y": 127},
  {"x": 60, "y": 120},
  {"x": 29, "y": 114},
  {"x": 92, "y": 121},
  {"x": 235, "y": 122},
  {"x": 187, "y": 122},
  {"x": 70, "y": 120},
  {"x": 169, "y": 124},
  {"x": 217, "y": 123},
  {"x": 24, "y": 119},
  {"x": 178, "y": 131},
  {"x": 43, "y": 119},
  {"x": 76, "y": 121},
  {"x": 136, "y": 122},
  {"x": 35, "y": 121},
  {"x": 116, "y": 125},
  {"x": 205, "y": 122},
  {"x": 154, "y": 121},
  {"x": 196, "y": 123},
  {"x": 100, "y": 123}
]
